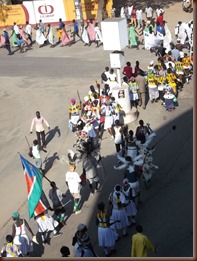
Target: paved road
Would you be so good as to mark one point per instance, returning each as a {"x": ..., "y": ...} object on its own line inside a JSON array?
[{"x": 47, "y": 79}]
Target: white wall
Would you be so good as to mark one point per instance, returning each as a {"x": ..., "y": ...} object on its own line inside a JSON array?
[{"x": 48, "y": 11}]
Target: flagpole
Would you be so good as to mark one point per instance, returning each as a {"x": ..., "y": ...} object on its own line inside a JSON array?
[{"x": 45, "y": 176}]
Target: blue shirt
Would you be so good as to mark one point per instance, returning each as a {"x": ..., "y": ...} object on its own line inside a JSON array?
[
  {"x": 6, "y": 36},
  {"x": 76, "y": 28},
  {"x": 60, "y": 25}
]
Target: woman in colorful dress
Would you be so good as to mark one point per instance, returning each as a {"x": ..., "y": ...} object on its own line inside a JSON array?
[
  {"x": 65, "y": 39},
  {"x": 132, "y": 37}
]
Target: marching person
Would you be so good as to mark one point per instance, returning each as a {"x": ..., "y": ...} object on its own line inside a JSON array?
[
  {"x": 21, "y": 239},
  {"x": 36, "y": 155},
  {"x": 142, "y": 132},
  {"x": 152, "y": 87},
  {"x": 74, "y": 116},
  {"x": 42, "y": 26},
  {"x": 118, "y": 136},
  {"x": 50, "y": 35},
  {"x": 91, "y": 32},
  {"x": 131, "y": 209},
  {"x": 118, "y": 201},
  {"x": 56, "y": 196},
  {"x": 73, "y": 182},
  {"x": 75, "y": 31},
  {"x": 141, "y": 243},
  {"x": 65, "y": 39},
  {"x": 98, "y": 38},
  {"x": 133, "y": 92},
  {"x": 82, "y": 242},
  {"x": 106, "y": 235},
  {"x": 16, "y": 29},
  {"x": 28, "y": 31},
  {"x": 39, "y": 122},
  {"x": 40, "y": 38},
  {"x": 59, "y": 30},
  {"x": 10, "y": 249},
  {"x": 47, "y": 223},
  {"x": 7, "y": 42}
]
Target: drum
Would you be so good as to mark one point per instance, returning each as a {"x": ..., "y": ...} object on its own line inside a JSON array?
[{"x": 132, "y": 151}]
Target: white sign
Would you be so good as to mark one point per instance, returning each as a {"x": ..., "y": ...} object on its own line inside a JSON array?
[{"x": 49, "y": 11}]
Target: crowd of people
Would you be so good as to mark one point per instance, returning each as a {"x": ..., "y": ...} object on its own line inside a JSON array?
[
  {"x": 99, "y": 111},
  {"x": 150, "y": 32},
  {"x": 21, "y": 37}
]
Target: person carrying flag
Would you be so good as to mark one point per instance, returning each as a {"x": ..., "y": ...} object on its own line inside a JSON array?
[{"x": 56, "y": 196}]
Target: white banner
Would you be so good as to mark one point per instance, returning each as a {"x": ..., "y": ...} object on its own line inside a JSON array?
[
  {"x": 49, "y": 11},
  {"x": 151, "y": 41}
]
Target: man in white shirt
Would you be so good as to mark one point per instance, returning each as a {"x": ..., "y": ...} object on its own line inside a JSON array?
[
  {"x": 158, "y": 11},
  {"x": 130, "y": 9},
  {"x": 39, "y": 122},
  {"x": 28, "y": 31},
  {"x": 139, "y": 17},
  {"x": 16, "y": 29},
  {"x": 105, "y": 79},
  {"x": 73, "y": 182},
  {"x": 149, "y": 12},
  {"x": 36, "y": 155}
]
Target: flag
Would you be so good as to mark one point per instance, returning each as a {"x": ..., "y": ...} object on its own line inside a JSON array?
[{"x": 37, "y": 201}]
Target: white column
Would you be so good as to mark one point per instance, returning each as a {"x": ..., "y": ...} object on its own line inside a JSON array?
[{"x": 118, "y": 77}]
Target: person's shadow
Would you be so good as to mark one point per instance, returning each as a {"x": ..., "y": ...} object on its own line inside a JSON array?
[
  {"x": 51, "y": 133},
  {"x": 49, "y": 162}
]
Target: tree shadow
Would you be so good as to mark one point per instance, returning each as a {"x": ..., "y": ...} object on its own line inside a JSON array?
[{"x": 50, "y": 134}]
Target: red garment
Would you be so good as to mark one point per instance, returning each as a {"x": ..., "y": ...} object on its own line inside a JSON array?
[
  {"x": 128, "y": 71},
  {"x": 137, "y": 68},
  {"x": 160, "y": 20},
  {"x": 133, "y": 13}
]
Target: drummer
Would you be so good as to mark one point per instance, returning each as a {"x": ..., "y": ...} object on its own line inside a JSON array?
[{"x": 169, "y": 96}]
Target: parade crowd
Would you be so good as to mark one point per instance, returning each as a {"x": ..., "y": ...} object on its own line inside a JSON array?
[{"x": 99, "y": 111}]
